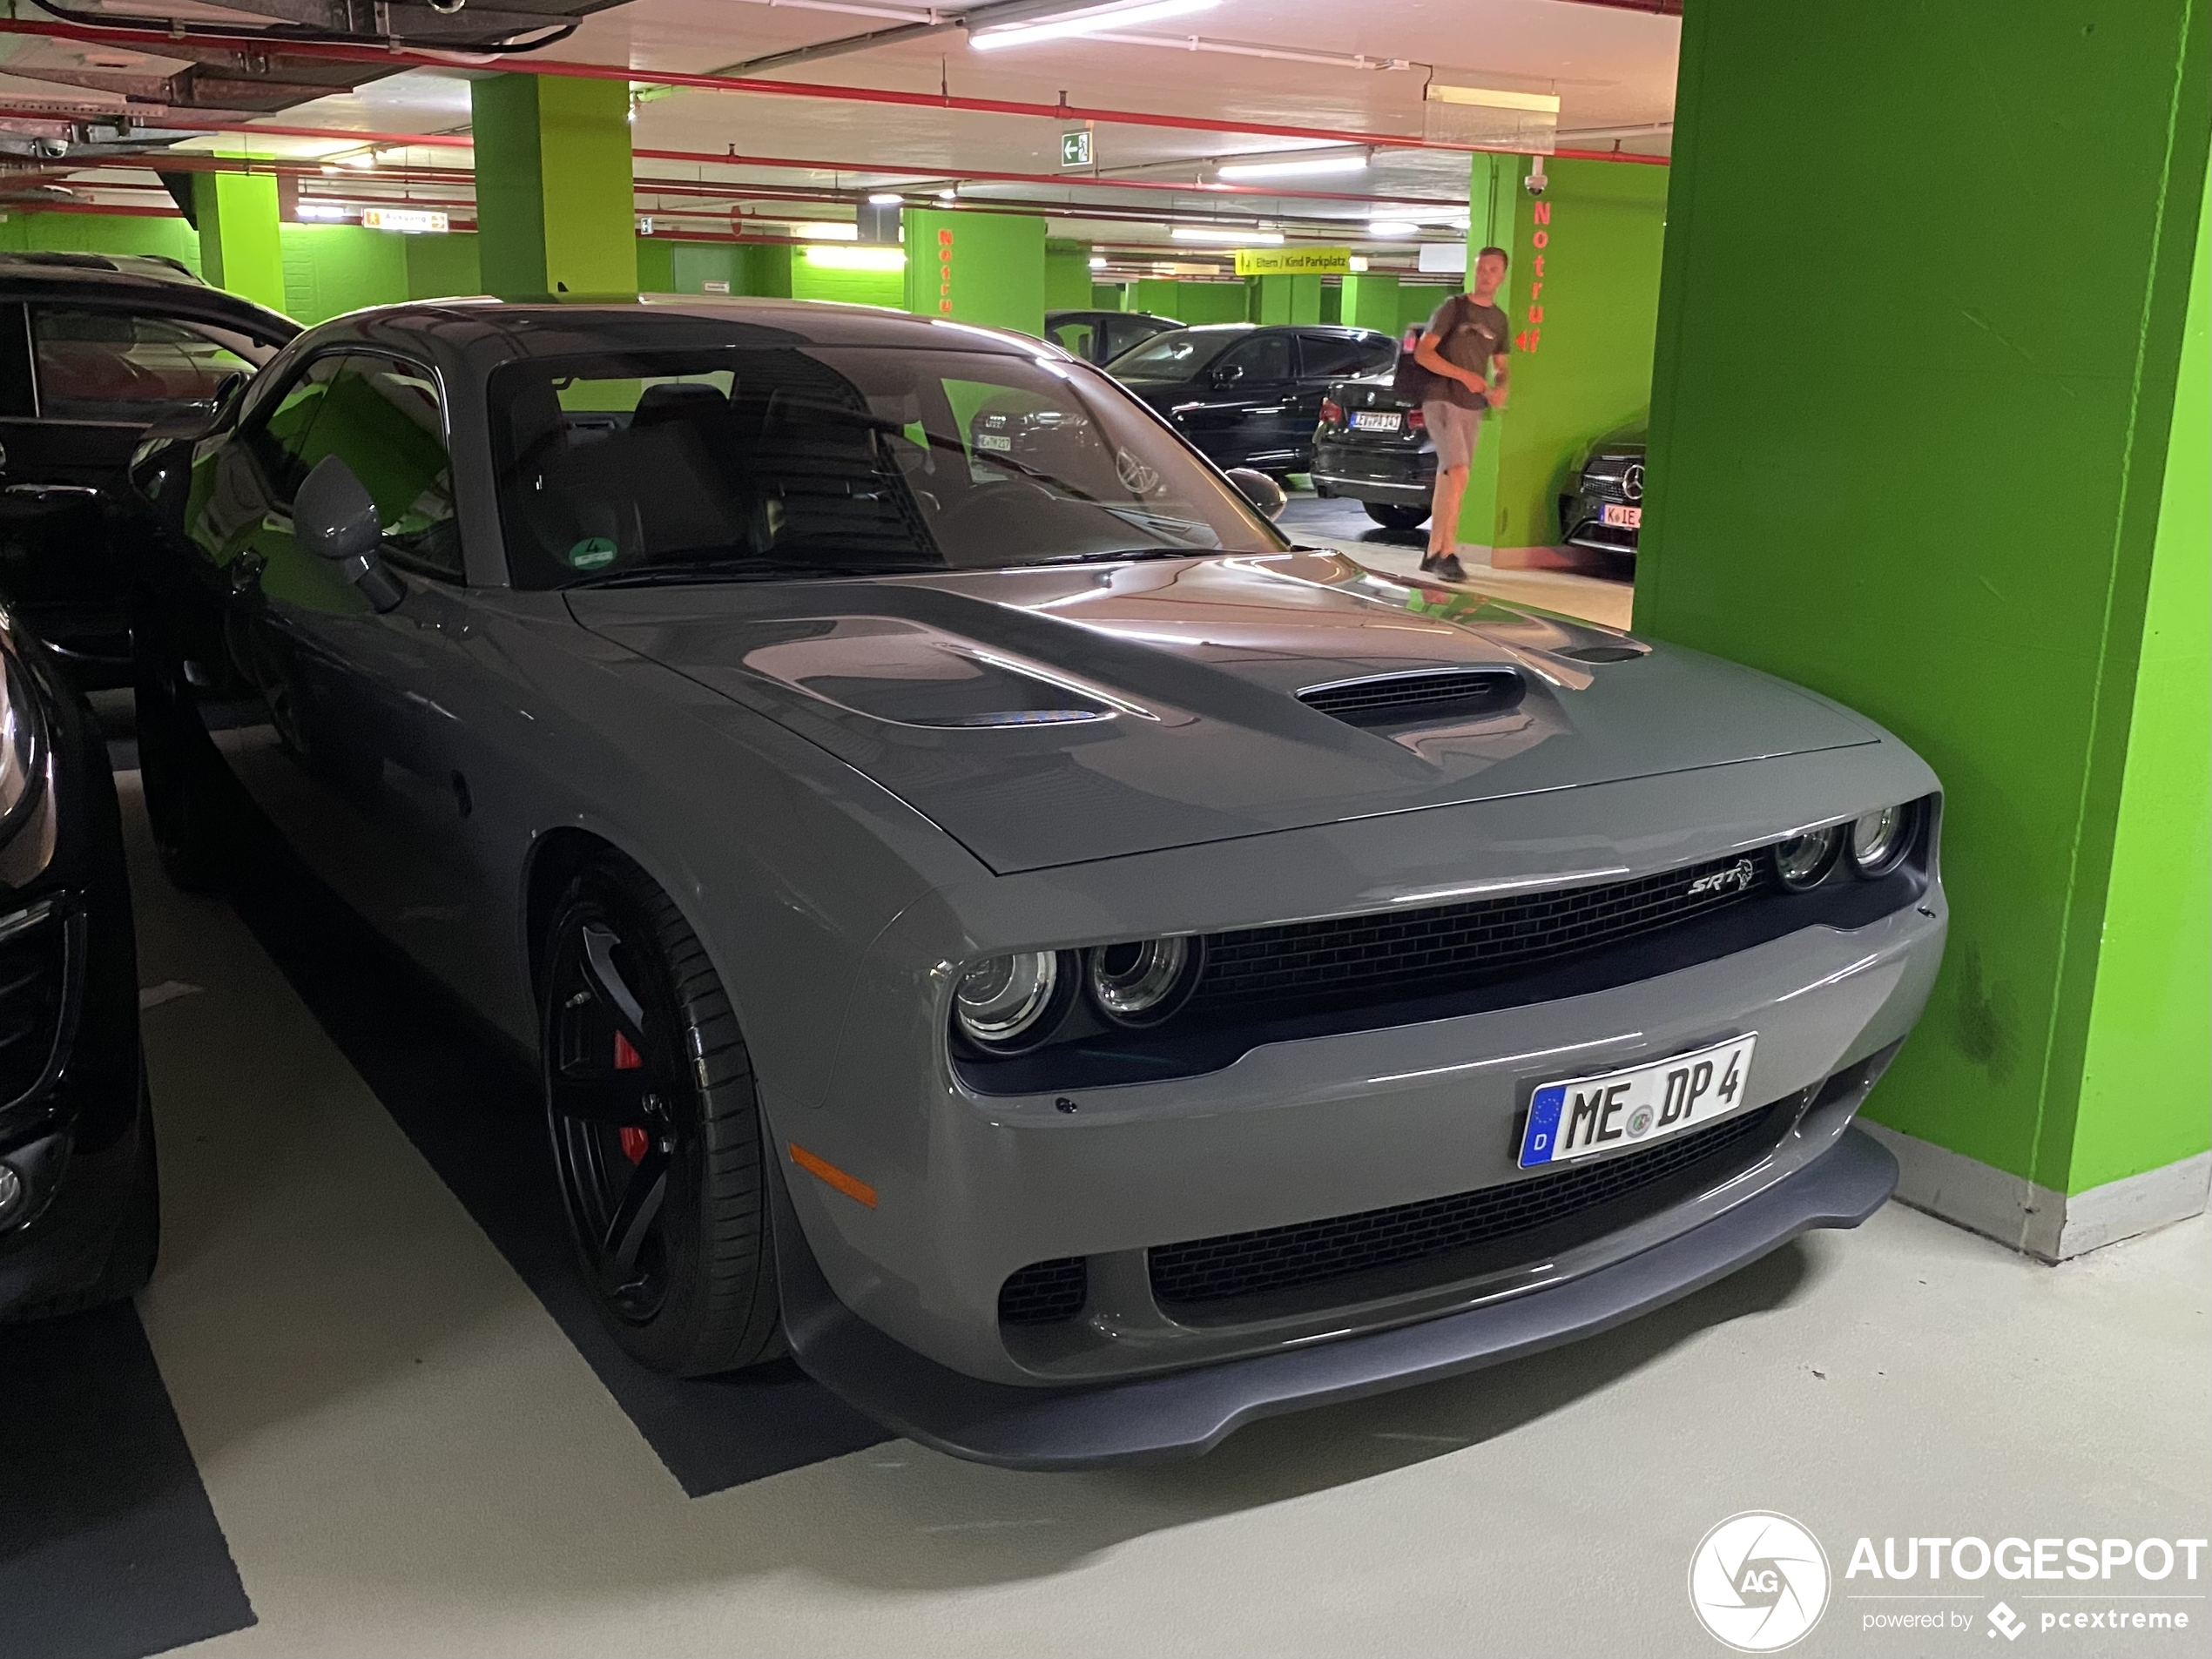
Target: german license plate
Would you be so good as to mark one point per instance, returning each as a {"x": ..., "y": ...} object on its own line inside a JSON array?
[
  {"x": 1373, "y": 420},
  {"x": 1582, "y": 1115},
  {"x": 1627, "y": 518},
  {"x": 996, "y": 440}
]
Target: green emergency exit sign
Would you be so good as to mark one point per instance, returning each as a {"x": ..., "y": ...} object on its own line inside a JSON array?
[{"x": 1075, "y": 148}]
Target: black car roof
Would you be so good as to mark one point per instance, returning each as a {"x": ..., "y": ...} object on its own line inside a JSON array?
[{"x": 84, "y": 276}]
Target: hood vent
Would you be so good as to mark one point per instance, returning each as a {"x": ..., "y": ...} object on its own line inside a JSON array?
[{"x": 1432, "y": 694}]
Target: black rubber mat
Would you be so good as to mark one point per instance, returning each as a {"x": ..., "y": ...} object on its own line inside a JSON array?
[
  {"x": 471, "y": 1107},
  {"x": 109, "y": 1547}
]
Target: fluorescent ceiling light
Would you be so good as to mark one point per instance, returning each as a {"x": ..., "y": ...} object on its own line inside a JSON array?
[
  {"x": 1226, "y": 238},
  {"x": 1089, "y": 20},
  {"x": 1098, "y": 261},
  {"x": 886, "y": 199},
  {"x": 1360, "y": 263},
  {"x": 1392, "y": 227},
  {"x": 825, "y": 229},
  {"x": 856, "y": 259},
  {"x": 1237, "y": 172},
  {"x": 1489, "y": 98},
  {"x": 326, "y": 211}
]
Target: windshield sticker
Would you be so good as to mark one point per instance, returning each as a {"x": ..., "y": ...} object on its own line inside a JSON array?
[{"x": 592, "y": 553}]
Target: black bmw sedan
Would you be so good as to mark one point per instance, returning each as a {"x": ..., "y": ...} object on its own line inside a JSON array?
[
  {"x": 93, "y": 350},
  {"x": 1250, "y": 396},
  {"x": 79, "y": 1214},
  {"x": 1101, "y": 336},
  {"x": 1373, "y": 445}
]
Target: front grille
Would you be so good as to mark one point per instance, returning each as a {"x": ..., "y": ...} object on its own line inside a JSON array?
[
  {"x": 1311, "y": 1252},
  {"x": 34, "y": 977},
  {"x": 1387, "y": 700},
  {"x": 1045, "y": 1292},
  {"x": 1351, "y": 960}
]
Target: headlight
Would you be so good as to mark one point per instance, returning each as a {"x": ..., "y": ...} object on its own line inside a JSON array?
[
  {"x": 1001, "y": 1003},
  {"x": 1802, "y": 861},
  {"x": 22, "y": 743},
  {"x": 1142, "y": 982},
  {"x": 1880, "y": 840}
]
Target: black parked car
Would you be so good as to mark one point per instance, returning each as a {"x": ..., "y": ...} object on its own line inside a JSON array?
[
  {"x": 1251, "y": 395},
  {"x": 79, "y": 1213},
  {"x": 1605, "y": 508},
  {"x": 1373, "y": 445},
  {"x": 93, "y": 351},
  {"x": 1101, "y": 336}
]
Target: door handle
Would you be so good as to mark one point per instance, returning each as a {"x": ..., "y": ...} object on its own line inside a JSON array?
[
  {"x": 41, "y": 492},
  {"x": 246, "y": 571}
]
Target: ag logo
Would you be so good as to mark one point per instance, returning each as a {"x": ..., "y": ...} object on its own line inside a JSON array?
[{"x": 1758, "y": 1581}]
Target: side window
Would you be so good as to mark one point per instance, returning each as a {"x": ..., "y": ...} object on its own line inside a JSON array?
[
  {"x": 129, "y": 368},
  {"x": 1330, "y": 357},
  {"x": 1264, "y": 357},
  {"x": 1073, "y": 336},
  {"x": 382, "y": 417},
  {"x": 16, "y": 401}
]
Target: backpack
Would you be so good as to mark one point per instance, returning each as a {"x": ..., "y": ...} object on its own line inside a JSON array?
[{"x": 1410, "y": 379}]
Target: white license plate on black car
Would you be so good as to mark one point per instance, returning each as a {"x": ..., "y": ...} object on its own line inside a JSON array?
[
  {"x": 1370, "y": 420},
  {"x": 1580, "y": 1117},
  {"x": 1627, "y": 518}
]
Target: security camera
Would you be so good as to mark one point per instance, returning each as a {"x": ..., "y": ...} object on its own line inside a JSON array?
[
  {"x": 52, "y": 149},
  {"x": 1536, "y": 183}
]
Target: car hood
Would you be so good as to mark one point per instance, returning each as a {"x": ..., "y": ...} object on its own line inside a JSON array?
[{"x": 1053, "y": 715}]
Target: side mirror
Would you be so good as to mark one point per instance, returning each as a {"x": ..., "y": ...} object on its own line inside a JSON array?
[
  {"x": 334, "y": 517},
  {"x": 226, "y": 399},
  {"x": 1260, "y": 491},
  {"x": 1228, "y": 374}
]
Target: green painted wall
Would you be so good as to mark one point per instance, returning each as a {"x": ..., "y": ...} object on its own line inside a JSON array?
[
  {"x": 2147, "y": 1071},
  {"x": 1417, "y": 301},
  {"x": 1853, "y": 332},
  {"x": 329, "y": 269},
  {"x": 1285, "y": 298},
  {"x": 1109, "y": 296},
  {"x": 554, "y": 188},
  {"x": 443, "y": 268},
  {"x": 1371, "y": 301},
  {"x": 1067, "y": 275},
  {"x": 1584, "y": 287},
  {"x": 100, "y": 234},
  {"x": 984, "y": 268},
  {"x": 693, "y": 264},
  {"x": 767, "y": 270},
  {"x": 240, "y": 247},
  {"x": 1189, "y": 301},
  {"x": 656, "y": 265},
  {"x": 812, "y": 281}
]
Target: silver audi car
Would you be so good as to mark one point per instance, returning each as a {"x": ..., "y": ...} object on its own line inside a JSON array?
[{"x": 996, "y": 921}]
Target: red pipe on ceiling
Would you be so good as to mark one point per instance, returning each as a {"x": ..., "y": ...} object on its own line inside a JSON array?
[{"x": 152, "y": 41}]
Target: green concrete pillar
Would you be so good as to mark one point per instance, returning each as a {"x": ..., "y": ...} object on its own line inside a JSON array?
[
  {"x": 986, "y": 268},
  {"x": 554, "y": 192},
  {"x": 1370, "y": 301},
  {"x": 1067, "y": 275},
  {"x": 2044, "y": 644},
  {"x": 1286, "y": 299},
  {"x": 241, "y": 245}
]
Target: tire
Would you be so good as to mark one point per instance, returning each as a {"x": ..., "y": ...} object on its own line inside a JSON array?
[
  {"x": 1396, "y": 518},
  {"x": 658, "y": 1148},
  {"x": 136, "y": 1244}
]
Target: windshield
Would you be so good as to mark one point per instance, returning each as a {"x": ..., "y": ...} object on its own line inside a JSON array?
[
  {"x": 1174, "y": 356},
  {"x": 829, "y": 460}
]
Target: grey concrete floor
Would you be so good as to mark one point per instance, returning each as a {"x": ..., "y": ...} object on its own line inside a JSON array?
[{"x": 408, "y": 1456}]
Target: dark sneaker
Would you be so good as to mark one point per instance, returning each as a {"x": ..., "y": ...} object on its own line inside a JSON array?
[{"x": 1445, "y": 565}]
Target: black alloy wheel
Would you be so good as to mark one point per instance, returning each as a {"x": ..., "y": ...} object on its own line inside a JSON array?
[
  {"x": 1394, "y": 517},
  {"x": 656, "y": 1129}
]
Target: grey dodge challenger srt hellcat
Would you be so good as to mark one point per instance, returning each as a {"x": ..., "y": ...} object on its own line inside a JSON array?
[{"x": 995, "y": 919}]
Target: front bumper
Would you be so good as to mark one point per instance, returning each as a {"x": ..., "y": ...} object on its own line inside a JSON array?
[{"x": 1188, "y": 1412}]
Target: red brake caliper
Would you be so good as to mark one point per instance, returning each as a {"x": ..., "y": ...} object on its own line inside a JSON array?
[{"x": 633, "y": 1137}]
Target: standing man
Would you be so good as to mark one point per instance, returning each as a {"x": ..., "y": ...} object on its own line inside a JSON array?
[{"x": 1464, "y": 347}]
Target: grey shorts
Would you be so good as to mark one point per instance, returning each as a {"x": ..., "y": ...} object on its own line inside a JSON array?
[{"x": 1453, "y": 429}]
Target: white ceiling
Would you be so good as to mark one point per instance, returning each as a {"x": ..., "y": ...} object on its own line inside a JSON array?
[{"x": 1611, "y": 67}]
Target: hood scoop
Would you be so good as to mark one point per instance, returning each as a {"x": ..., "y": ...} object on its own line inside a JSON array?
[
  {"x": 902, "y": 674},
  {"x": 1425, "y": 695}
]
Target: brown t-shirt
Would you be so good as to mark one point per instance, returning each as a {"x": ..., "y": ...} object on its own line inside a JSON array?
[{"x": 1469, "y": 335}]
